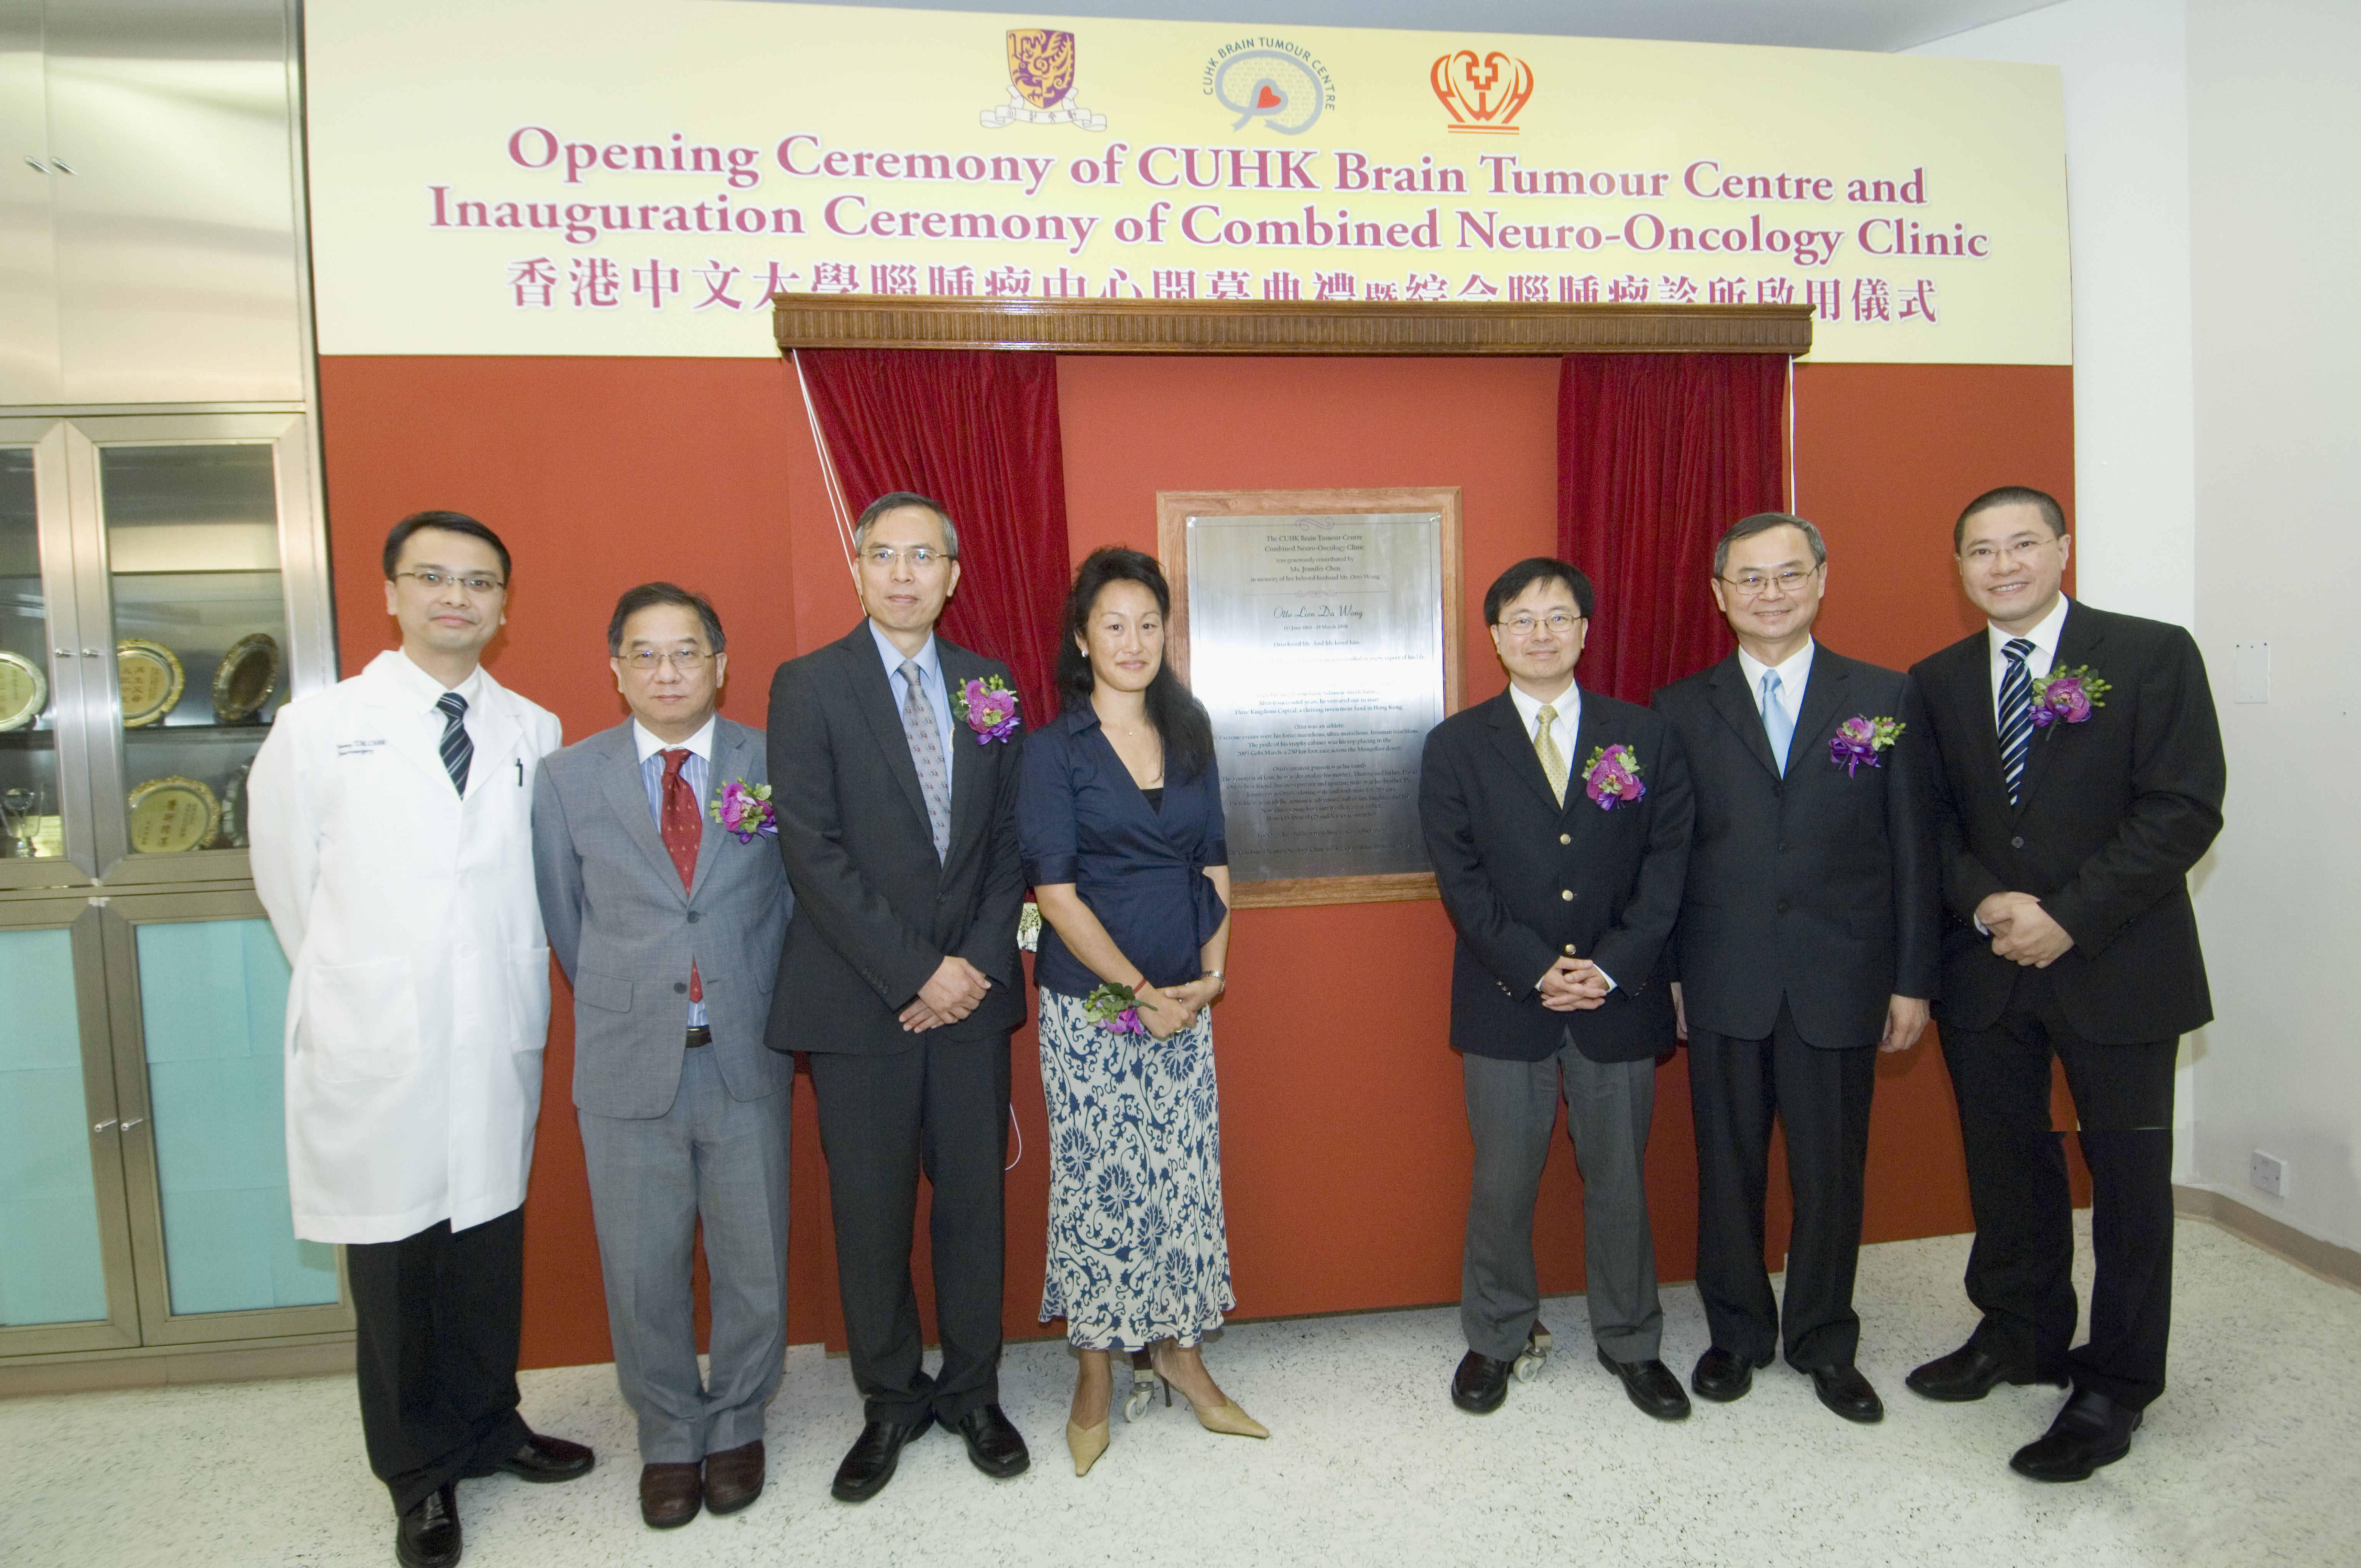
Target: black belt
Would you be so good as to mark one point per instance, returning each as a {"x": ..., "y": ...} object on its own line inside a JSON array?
[{"x": 700, "y": 1035}]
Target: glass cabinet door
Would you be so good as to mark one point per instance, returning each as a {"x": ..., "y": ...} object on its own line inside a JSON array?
[
  {"x": 42, "y": 842},
  {"x": 65, "y": 1274},
  {"x": 202, "y": 564}
]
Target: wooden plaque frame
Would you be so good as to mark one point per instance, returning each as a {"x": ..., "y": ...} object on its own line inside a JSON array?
[{"x": 1173, "y": 509}]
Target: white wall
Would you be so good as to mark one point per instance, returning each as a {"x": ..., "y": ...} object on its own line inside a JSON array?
[{"x": 2216, "y": 414}]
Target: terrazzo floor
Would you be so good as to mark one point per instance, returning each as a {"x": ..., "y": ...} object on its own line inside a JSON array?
[{"x": 2253, "y": 1456}]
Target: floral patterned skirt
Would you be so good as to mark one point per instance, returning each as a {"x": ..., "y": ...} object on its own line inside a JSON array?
[{"x": 1137, "y": 1249}]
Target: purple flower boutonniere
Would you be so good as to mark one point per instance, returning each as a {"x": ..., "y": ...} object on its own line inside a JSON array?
[
  {"x": 1117, "y": 1010},
  {"x": 1859, "y": 739},
  {"x": 1611, "y": 777},
  {"x": 2066, "y": 696},
  {"x": 745, "y": 810},
  {"x": 989, "y": 708}
]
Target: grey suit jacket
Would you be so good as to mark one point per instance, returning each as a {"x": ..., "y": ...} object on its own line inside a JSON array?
[{"x": 626, "y": 934}]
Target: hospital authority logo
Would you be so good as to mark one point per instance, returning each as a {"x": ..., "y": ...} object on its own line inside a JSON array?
[
  {"x": 1481, "y": 93},
  {"x": 1041, "y": 82},
  {"x": 1274, "y": 81}
]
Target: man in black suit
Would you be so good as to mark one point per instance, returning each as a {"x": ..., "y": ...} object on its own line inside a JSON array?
[
  {"x": 1809, "y": 941},
  {"x": 2080, "y": 777},
  {"x": 900, "y": 978},
  {"x": 1558, "y": 822}
]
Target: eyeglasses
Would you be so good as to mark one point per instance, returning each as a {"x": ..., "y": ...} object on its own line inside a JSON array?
[
  {"x": 1754, "y": 585},
  {"x": 2015, "y": 550},
  {"x": 431, "y": 581},
  {"x": 647, "y": 660},
  {"x": 920, "y": 557},
  {"x": 1558, "y": 622}
]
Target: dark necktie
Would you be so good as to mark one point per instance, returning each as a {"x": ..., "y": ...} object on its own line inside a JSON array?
[
  {"x": 682, "y": 828},
  {"x": 2015, "y": 714},
  {"x": 457, "y": 749},
  {"x": 927, "y": 756}
]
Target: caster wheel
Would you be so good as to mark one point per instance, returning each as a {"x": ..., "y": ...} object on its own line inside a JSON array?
[{"x": 1142, "y": 1395}]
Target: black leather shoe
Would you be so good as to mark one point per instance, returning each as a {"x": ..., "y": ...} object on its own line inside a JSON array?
[
  {"x": 1969, "y": 1373},
  {"x": 869, "y": 1464},
  {"x": 995, "y": 1445},
  {"x": 549, "y": 1459},
  {"x": 1843, "y": 1389},
  {"x": 1651, "y": 1386},
  {"x": 2091, "y": 1431},
  {"x": 1480, "y": 1384},
  {"x": 428, "y": 1535},
  {"x": 1721, "y": 1375}
]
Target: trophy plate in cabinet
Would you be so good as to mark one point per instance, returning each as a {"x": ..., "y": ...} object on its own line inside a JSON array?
[
  {"x": 151, "y": 679},
  {"x": 171, "y": 815},
  {"x": 246, "y": 677},
  {"x": 24, "y": 691}
]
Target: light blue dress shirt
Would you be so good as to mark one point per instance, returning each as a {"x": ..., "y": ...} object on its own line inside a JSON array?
[{"x": 930, "y": 682}]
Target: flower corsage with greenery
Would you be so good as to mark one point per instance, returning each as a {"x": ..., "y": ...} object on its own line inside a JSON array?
[
  {"x": 745, "y": 810},
  {"x": 1115, "y": 1009},
  {"x": 1611, "y": 777},
  {"x": 2066, "y": 696},
  {"x": 1859, "y": 739},
  {"x": 989, "y": 708}
]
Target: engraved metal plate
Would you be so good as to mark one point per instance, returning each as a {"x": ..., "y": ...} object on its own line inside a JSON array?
[
  {"x": 1317, "y": 645},
  {"x": 246, "y": 677},
  {"x": 24, "y": 691},
  {"x": 171, "y": 815},
  {"x": 151, "y": 679}
]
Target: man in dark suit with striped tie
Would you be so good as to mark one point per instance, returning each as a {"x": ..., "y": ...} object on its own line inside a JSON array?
[{"x": 2080, "y": 777}]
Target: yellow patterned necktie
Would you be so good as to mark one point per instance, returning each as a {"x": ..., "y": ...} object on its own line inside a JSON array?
[{"x": 1545, "y": 748}]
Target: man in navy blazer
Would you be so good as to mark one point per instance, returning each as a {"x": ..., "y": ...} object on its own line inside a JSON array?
[
  {"x": 1558, "y": 822},
  {"x": 669, "y": 927},
  {"x": 1807, "y": 942},
  {"x": 2080, "y": 777}
]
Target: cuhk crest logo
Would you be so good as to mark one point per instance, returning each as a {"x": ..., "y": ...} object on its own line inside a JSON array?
[
  {"x": 1482, "y": 92},
  {"x": 1041, "y": 82}
]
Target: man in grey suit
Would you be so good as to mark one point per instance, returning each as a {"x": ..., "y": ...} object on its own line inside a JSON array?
[{"x": 667, "y": 908}]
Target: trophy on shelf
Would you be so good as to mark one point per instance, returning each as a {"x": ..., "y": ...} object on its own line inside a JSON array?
[
  {"x": 171, "y": 815},
  {"x": 245, "y": 679},
  {"x": 150, "y": 678},
  {"x": 24, "y": 691},
  {"x": 232, "y": 833},
  {"x": 19, "y": 811}
]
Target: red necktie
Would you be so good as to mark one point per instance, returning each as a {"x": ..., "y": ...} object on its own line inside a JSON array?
[{"x": 682, "y": 828}]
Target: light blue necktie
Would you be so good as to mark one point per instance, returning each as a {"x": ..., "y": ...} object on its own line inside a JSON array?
[{"x": 1777, "y": 724}]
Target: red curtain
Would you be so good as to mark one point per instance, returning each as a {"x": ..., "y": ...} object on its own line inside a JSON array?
[
  {"x": 978, "y": 431},
  {"x": 1657, "y": 455}
]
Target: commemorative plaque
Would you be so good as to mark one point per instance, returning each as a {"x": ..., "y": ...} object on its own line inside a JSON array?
[
  {"x": 151, "y": 679},
  {"x": 1318, "y": 628},
  {"x": 246, "y": 677},
  {"x": 24, "y": 691},
  {"x": 172, "y": 815}
]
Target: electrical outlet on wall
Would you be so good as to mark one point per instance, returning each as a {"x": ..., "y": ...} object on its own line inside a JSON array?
[{"x": 2269, "y": 1173}]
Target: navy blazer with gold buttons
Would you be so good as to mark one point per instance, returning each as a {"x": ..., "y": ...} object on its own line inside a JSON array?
[{"x": 1525, "y": 880}]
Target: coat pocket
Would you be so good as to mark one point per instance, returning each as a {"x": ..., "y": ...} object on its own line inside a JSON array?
[
  {"x": 607, "y": 992},
  {"x": 361, "y": 1021},
  {"x": 528, "y": 998}
]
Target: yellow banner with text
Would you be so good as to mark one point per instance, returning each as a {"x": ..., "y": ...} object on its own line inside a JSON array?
[{"x": 595, "y": 177}]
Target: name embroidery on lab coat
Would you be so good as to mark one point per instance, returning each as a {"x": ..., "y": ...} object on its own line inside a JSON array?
[{"x": 357, "y": 748}]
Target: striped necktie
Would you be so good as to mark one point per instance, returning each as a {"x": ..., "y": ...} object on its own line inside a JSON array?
[
  {"x": 457, "y": 749},
  {"x": 2015, "y": 714}
]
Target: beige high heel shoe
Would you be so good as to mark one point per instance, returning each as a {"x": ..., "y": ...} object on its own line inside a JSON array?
[
  {"x": 1086, "y": 1444},
  {"x": 1226, "y": 1417}
]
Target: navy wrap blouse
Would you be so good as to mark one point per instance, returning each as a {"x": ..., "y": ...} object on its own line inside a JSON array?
[{"x": 1081, "y": 819}]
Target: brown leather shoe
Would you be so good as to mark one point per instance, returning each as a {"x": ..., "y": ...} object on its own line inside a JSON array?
[
  {"x": 733, "y": 1477},
  {"x": 669, "y": 1495}
]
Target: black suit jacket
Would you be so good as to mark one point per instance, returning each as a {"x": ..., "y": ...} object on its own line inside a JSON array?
[
  {"x": 2111, "y": 815},
  {"x": 1816, "y": 886},
  {"x": 875, "y": 911},
  {"x": 1526, "y": 880}
]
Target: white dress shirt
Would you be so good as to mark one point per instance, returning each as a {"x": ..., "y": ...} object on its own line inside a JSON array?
[
  {"x": 1564, "y": 728},
  {"x": 696, "y": 773},
  {"x": 1792, "y": 675},
  {"x": 2044, "y": 639}
]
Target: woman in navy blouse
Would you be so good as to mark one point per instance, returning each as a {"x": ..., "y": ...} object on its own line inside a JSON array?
[{"x": 1119, "y": 817}]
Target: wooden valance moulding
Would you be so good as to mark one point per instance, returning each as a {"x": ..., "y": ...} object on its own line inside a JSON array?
[{"x": 1267, "y": 326}]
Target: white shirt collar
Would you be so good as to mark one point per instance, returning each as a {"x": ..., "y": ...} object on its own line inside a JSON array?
[
  {"x": 2043, "y": 637},
  {"x": 1793, "y": 674},
  {"x": 415, "y": 682},
  {"x": 645, "y": 739},
  {"x": 930, "y": 660},
  {"x": 1568, "y": 706}
]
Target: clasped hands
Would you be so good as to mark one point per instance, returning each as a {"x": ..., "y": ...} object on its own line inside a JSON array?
[
  {"x": 956, "y": 989},
  {"x": 1166, "y": 1010},
  {"x": 2022, "y": 931},
  {"x": 1573, "y": 985}
]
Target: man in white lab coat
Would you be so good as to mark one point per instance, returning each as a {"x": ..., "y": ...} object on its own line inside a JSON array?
[{"x": 392, "y": 845}]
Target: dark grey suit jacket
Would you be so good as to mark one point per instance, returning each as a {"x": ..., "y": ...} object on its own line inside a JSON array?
[
  {"x": 1816, "y": 886},
  {"x": 876, "y": 911},
  {"x": 626, "y": 934},
  {"x": 2112, "y": 814}
]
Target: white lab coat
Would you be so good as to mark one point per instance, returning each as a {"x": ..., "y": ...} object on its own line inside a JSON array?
[{"x": 420, "y": 1001}]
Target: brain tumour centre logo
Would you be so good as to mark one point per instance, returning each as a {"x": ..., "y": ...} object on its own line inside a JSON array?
[
  {"x": 1481, "y": 93},
  {"x": 1041, "y": 82},
  {"x": 1272, "y": 80}
]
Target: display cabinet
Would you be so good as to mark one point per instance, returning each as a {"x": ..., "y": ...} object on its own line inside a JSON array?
[{"x": 166, "y": 593}]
